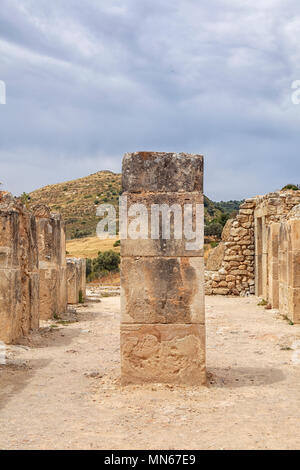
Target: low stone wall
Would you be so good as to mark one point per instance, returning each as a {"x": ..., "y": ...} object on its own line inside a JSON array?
[
  {"x": 76, "y": 280},
  {"x": 19, "y": 275}
]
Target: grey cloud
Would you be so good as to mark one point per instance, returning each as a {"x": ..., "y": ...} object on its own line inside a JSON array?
[{"x": 88, "y": 81}]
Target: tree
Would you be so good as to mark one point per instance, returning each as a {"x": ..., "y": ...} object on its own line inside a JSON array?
[{"x": 213, "y": 229}]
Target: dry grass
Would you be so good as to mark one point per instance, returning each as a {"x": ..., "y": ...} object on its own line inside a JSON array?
[{"x": 89, "y": 247}]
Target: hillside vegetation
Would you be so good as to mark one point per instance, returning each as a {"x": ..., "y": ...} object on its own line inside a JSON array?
[{"x": 77, "y": 201}]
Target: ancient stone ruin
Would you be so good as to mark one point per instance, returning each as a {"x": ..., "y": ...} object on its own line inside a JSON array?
[
  {"x": 33, "y": 282},
  {"x": 19, "y": 270},
  {"x": 162, "y": 296},
  {"x": 259, "y": 253}
]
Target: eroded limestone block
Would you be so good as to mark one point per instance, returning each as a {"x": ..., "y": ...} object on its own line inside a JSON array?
[
  {"x": 162, "y": 290},
  {"x": 172, "y": 353},
  {"x": 215, "y": 258},
  {"x": 162, "y": 172},
  {"x": 162, "y": 276},
  {"x": 293, "y": 302}
]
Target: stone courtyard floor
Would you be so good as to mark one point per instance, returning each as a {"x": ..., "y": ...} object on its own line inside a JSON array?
[{"x": 60, "y": 388}]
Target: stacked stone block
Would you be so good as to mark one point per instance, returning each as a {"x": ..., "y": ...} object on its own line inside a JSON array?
[
  {"x": 19, "y": 276},
  {"x": 162, "y": 283},
  {"x": 52, "y": 262},
  {"x": 235, "y": 276},
  {"x": 246, "y": 256}
]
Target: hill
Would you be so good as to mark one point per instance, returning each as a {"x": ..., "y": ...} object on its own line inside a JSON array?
[{"x": 77, "y": 201}]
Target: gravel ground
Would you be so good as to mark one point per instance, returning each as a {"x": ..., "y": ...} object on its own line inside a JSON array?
[{"x": 60, "y": 388}]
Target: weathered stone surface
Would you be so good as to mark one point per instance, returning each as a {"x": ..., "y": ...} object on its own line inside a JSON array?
[
  {"x": 163, "y": 353},
  {"x": 162, "y": 290},
  {"x": 165, "y": 217},
  {"x": 52, "y": 262},
  {"x": 76, "y": 280},
  {"x": 19, "y": 277},
  {"x": 162, "y": 172},
  {"x": 215, "y": 258}
]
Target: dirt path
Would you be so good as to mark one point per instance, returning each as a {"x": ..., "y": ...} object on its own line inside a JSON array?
[{"x": 61, "y": 390}]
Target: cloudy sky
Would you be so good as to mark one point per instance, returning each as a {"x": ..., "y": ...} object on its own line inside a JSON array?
[{"x": 88, "y": 80}]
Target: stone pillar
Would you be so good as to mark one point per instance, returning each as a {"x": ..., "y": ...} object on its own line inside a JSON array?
[
  {"x": 52, "y": 262},
  {"x": 293, "y": 229},
  {"x": 283, "y": 274},
  {"x": 19, "y": 276},
  {"x": 273, "y": 253},
  {"x": 162, "y": 280},
  {"x": 76, "y": 280}
]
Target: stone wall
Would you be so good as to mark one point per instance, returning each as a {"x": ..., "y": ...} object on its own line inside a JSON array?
[
  {"x": 19, "y": 275},
  {"x": 76, "y": 280},
  {"x": 33, "y": 278},
  {"x": 244, "y": 268},
  {"x": 235, "y": 274}
]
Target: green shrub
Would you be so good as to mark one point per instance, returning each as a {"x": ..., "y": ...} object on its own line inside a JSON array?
[
  {"x": 214, "y": 244},
  {"x": 105, "y": 263},
  {"x": 294, "y": 187}
]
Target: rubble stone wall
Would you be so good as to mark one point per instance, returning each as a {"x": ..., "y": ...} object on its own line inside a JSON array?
[
  {"x": 245, "y": 266},
  {"x": 235, "y": 275}
]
